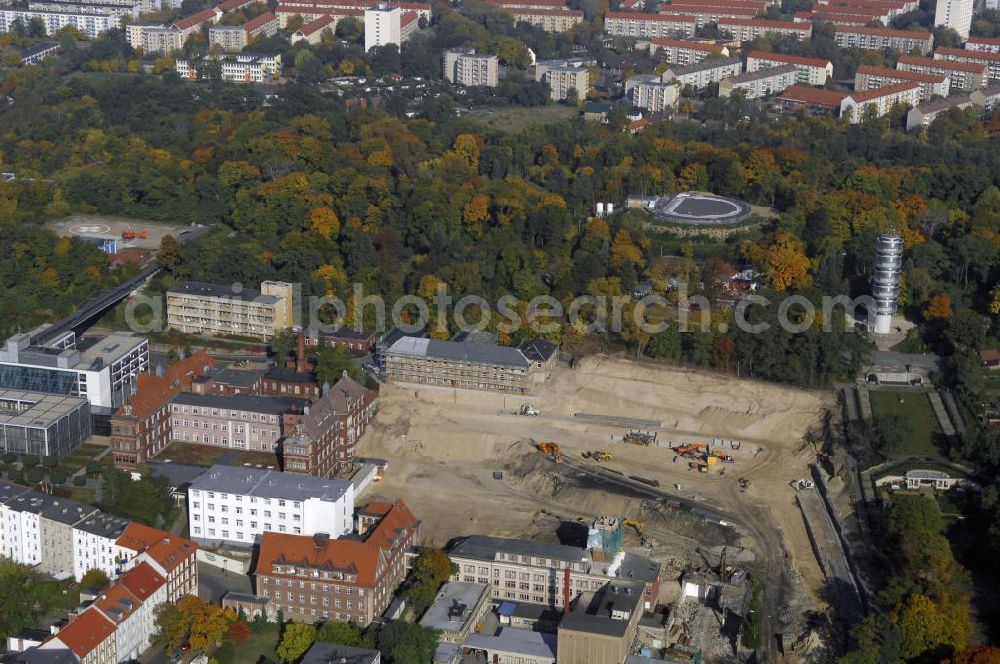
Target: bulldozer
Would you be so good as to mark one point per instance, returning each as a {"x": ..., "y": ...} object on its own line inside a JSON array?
[
  {"x": 601, "y": 455},
  {"x": 639, "y": 526},
  {"x": 552, "y": 449}
]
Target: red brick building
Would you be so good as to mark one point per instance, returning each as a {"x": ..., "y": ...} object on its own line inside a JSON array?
[
  {"x": 173, "y": 556},
  {"x": 140, "y": 429}
]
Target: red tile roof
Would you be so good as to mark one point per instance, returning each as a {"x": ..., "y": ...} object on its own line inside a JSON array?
[
  {"x": 230, "y": 5},
  {"x": 142, "y": 581},
  {"x": 763, "y": 23},
  {"x": 990, "y": 41},
  {"x": 634, "y": 16},
  {"x": 546, "y": 12},
  {"x": 153, "y": 392},
  {"x": 376, "y": 508},
  {"x": 407, "y": 18},
  {"x": 85, "y": 633},
  {"x": 813, "y": 96},
  {"x": 258, "y": 21},
  {"x": 195, "y": 19},
  {"x": 963, "y": 53},
  {"x": 693, "y": 45},
  {"x": 876, "y": 93},
  {"x": 919, "y": 76},
  {"x": 885, "y": 32},
  {"x": 363, "y": 559},
  {"x": 954, "y": 65},
  {"x": 529, "y": 3},
  {"x": 791, "y": 59},
  {"x": 398, "y": 522},
  {"x": 746, "y": 4},
  {"x": 713, "y": 10},
  {"x": 315, "y": 26},
  {"x": 874, "y": 4},
  {"x": 117, "y": 603},
  {"x": 167, "y": 549}
]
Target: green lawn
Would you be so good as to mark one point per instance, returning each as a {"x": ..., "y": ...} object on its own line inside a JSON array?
[
  {"x": 511, "y": 120},
  {"x": 260, "y": 644},
  {"x": 927, "y": 440},
  {"x": 202, "y": 455}
]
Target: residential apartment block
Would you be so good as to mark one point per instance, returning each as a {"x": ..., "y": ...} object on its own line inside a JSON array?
[
  {"x": 987, "y": 98},
  {"x": 991, "y": 60},
  {"x": 89, "y": 23},
  {"x": 750, "y": 29},
  {"x": 878, "y": 39},
  {"x": 868, "y": 77},
  {"x": 811, "y": 71},
  {"x": 549, "y": 574},
  {"x": 954, "y": 14},
  {"x": 312, "y": 10},
  {"x": 95, "y": 544},
  {"x": 565, "y": 75},
  {"x": 685, "y": 51},
  {"x": 924, "y": 114},
  {"x": 42, "y": 424},
  {"x": 876, "y": 102},
  {"x": 464, "y": 67},
  {"x": 235, "y": 68},
  {"x": 465, "y": 365},
  {"x": 760, "y": 83},
  {"x": 961, "y": 75},
  {"x": 704, "y": 15},
  {"x": 648, "y": 92},
  {"x": 236, "y": 506},
  {"x": 172, "y": 556},
  {"x": 704, "y": 73},
  {"x": 983, "y": 44},
  {"x": 388, "y": 24},
  {"x": 190, "y": 25},
  {"x": 141, "y": 428},
  {"x": 154, "y": 39},
  {"x": 201, "y": 308},
  {"x": 649, "y": 26},
  {"x": 314, "y": 578},
  {"x": 846, "y": 18},
  {"x": 312, "y": 31},
  {"x": 37, "y": 529},
  {"x": 549, "y": 20}
]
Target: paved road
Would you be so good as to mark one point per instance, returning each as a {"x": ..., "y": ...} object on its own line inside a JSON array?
[{"x": 213, "y": 583}]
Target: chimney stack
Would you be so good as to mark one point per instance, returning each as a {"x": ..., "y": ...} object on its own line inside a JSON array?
[{"x": 300, "y": 352}]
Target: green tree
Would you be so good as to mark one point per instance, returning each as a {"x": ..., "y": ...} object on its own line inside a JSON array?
[
  {"x": 297, "y": 639},
  {"x": 344, "y": 633},
  {"x": 332, "y": 362},
  {"x": 408, "y": 643},
  {"x": 170, "y": 255},
  {"x": 282, "y": 344},
  {"x": 94, "y": 578}
]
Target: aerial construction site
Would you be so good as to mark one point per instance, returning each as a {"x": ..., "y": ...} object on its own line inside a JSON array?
[{"x": 702, "y": 470}]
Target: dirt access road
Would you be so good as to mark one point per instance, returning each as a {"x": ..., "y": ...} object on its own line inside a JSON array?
[{"x": 444, "y": 445}]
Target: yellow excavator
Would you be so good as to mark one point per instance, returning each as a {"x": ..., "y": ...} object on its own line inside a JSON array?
[
  {"x": 639, "y": 526},
  {"x": 552, "y": 449}
]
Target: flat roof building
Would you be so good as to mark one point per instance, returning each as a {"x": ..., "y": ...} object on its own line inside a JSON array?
[
  {"x": 602, "y": 625},
  {"x": 760, "y": 83},
  {"x": 458, "y": 608},
  {"x": 42, "y": 424},
  {"x": 202, "y": 308},
  {"x": 702, "y": 74}
]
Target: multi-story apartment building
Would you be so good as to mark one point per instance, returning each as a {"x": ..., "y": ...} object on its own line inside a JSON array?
[
  {"x": 991, "y": 60},
  {"x": 528, "y": 4},
  {"x": 895, "y": 7},
  {"x": 36, "y": 529},
  {"x": 242, "y": 422},
  {"x": 856, "y": 18},
  {"x": 750, "y": 29},
  {"x": 549, "y": 574},
  {"x": 759, "y": 6},
  {"x": 192, "y": 24},
  {"x": 312, "y": 32},
  {"x": 878, "y": 39},
  {"x": 141, "y": 428},
  {"x": 648, "y": 92},
  {"x": 924, "y": 114},
  {"x": 868, "y": 77},
  {"x": 153, "y": 39},
  {"x": 811, "y": 71},
  {"x": 388, "y": 24},
  {"x": 565, "y": 75},
  {"x": 704, "y": 73},
  {"x": 322, "y": 442},
  {"x": 235, "y": 506},
  {"x": 236, "y": 37},
  {"x": 988, "y": 98},
  {"x": 42, "y": 424},
  {"x": 983, "y": 44},
  {"x": 173, "y": 557},
  {"x": 200, "y": 308},
  {"x": 311, "y": 10},
  {"x": 648, "y": 26},
  {"x": 33, "y": 55},
  {"x": 685, "y": 51},
  {"x": 954, "y": 14},
  {"x": 95, "y": 542},
  {"x": 465, "y": 67},
  {"x": 876, "y": 102},
  {"x": 549, "y": 20},
  {"x": 760, "y": 83},
  {"x": 236, "y": 68},
  {"x": 149, "y": 587},
  {"x": 313, "y": 578},
  {"x": 457, "y": 364},
  {"x": 90, "y": 638},
  {"x": 961, "y": 75},
  {"x": 102, "y": 370},
  {"x": 704, "y": 15},
  {"x": 89, "y": 23}
]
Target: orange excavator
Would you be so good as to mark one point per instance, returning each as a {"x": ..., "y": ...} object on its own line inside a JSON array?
[
  {"x": 685, "y": 450},
  {"x": 551, "y": 448}
]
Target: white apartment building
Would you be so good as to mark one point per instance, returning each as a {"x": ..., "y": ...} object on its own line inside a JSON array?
[
  {"x": 22, "y": 530},
  {"x": 549, "y": 20},
  {"x": 991, "y": 60},
  {"x": 760, "y": 83},
  {"x": 877, "y": 39},
  {"x": 750, "y": 29},
  {"x": 858, "y": 105},
  {"x": 983, "y": 44},
  {"x": 704, "y": 73},
  {"x": 235, "y": 506},
  {"x": 648, "y": 26},
  {"x": 251, "y": 319},
  {"x": 962, "y": 75},
  {"x": 868, "y": 77},
  {"x": 684, "y": 51},
  {"x": 153, "y": 39},
  {"x": 95, "y": 545},
  {"x": 811, "y": 71},
  {"x": 924, "y": 114},
  {"x": 954, "y": 14},
  {"x": 465, "y": 67},
  {"x": 987, "y": 98},
  {"x": 91, "y": 24},
  {"x": 228, "y": 37},
  {"x": 648, "y": 92},
  {"x": 704, "y": 15},
  {"x": 102, "y": 370},
  {"x": 200, "y": 308},
  {"x": 387, "y": 24},
  {"x": 565, "y": 75}
]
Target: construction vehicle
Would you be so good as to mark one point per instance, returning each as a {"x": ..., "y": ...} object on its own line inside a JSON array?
[
  {"x": 639, "y": 526},
  {"x": 723, "y": 457},
  {"x": 551, "y": 449},
  {"x": 700, "y": 467},
  {"x": 601, "y": 456},
  {"x": 744, "y": 484},
  {"x": 688, "y": 450},
  {"x": 132, "y": 235},
  {"x": 528, "y": 410},
  {"x": 639, "y": 437}
]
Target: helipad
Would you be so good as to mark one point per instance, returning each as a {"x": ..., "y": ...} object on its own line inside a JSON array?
[{"x": 700, "y": 209}]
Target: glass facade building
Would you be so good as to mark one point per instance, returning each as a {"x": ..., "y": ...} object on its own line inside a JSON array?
[{"x": 42, "y": 424}]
